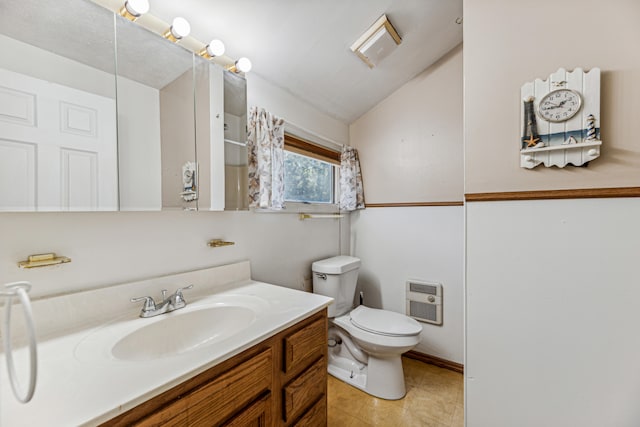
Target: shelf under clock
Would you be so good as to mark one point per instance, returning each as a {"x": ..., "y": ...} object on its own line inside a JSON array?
[{"x": 594, "y": 143}]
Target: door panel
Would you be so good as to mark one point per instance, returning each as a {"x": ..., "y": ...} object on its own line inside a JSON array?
[{"x": 73, "y": 136}]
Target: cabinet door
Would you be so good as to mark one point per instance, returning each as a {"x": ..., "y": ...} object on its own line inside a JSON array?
[
  {"x": 214, "y": 402},
  {"x": 305, "y": 345},
  {"x": 300, "y": 393},
  {"x": 256, "y": 415},
  {"x": 316, "y": 416},
  {"x": 231, "y": 391}
]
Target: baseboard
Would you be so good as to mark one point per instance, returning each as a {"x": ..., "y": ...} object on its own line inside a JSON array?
[{"x": 433, "y": 360}]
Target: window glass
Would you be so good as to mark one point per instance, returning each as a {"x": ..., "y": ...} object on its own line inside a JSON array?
[{"x": 307, "y": 179}]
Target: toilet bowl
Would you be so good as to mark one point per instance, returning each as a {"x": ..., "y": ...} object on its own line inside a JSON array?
[
  {"x": 384, "y": 345},
  {"x": 365, "y": 344}
]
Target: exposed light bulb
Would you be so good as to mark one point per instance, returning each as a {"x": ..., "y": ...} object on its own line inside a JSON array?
[
  {"x": 243, "y": 64},
  {"x": 179, "y": 28},
  {"x": 133, "y": 9},
  {"x": 215, "y": 48}
]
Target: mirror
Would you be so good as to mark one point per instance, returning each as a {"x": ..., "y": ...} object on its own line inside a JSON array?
[
  {"x": 68, "y": 143},
  {"x": 156, "y": 133},
  {"x": 236, "y": 173},
  {"x": 58, "y": 141}
]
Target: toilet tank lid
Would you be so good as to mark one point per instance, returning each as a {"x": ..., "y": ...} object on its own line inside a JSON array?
[{"x": 336, "y": 265}]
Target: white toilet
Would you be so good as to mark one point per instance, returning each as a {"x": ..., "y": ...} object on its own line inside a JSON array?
[{"x": 365, "y": 344}]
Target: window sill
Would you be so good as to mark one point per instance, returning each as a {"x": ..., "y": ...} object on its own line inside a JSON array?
[{"x": 297, "y": 207}]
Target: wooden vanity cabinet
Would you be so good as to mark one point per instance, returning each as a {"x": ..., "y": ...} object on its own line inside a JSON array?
[{"x": 281, "y": 381}]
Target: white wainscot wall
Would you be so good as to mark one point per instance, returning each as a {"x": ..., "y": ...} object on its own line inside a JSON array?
[
  {"x": 396, "y": 244},
  {"x": 109, "y": 248},
  {"x": 552, "y": 315}
]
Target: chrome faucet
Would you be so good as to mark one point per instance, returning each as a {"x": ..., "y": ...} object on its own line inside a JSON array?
[{"x": 174, "y": 302}]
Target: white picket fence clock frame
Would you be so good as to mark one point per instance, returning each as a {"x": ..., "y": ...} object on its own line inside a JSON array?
[{"x": 566, "y": 136}]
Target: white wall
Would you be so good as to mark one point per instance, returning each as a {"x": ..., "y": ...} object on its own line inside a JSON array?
[
  {"x": 551, "y": 286},
  {"x": 410, "y": 144},
  {"x": 396, "y": 244},
  {"x": 309, "y": 123},
  {"x": 410, "y": 149},
  {"x": 112, "y": 248},
  {"x": 139, "y": 170},
  {"x": 552, "y": 313},
  {"x": 35, "y": 62},
  {"x": 500, "y": 55}
]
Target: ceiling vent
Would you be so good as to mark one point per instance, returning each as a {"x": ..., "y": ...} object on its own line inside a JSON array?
[{"x": 377, "y": 42}]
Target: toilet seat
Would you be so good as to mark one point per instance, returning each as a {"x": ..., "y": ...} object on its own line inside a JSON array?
[{"x": 383, "y": 322}]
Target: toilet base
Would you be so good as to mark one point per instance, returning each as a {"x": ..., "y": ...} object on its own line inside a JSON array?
[
  {"x": 349, "y": 371},
  {"x": 387, "y": 384}
]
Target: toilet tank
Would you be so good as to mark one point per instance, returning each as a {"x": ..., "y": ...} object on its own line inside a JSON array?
[{"x": 336, "y": 277}]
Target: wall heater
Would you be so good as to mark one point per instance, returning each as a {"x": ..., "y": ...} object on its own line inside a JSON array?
[{"x": 424, "y": 301}]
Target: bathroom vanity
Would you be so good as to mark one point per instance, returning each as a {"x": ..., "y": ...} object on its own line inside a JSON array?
[
  {"x": 280, "y": 381},
  {"x": 240, "y": 353}
]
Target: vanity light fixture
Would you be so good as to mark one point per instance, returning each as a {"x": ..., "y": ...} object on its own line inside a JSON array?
[
  {"x": 179, "y": 28},
  {"x": 377, "y": 42},
  {"x": 241, "y": 65},
  {"x": 214, "y": 48},
  {"x": 134, "y": 9}
]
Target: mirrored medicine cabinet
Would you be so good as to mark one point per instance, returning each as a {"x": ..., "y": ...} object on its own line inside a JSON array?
[{"x": 99, "y": 114}]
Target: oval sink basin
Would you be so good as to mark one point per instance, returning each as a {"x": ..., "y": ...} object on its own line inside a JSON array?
[{"x": 179, "y": 332}]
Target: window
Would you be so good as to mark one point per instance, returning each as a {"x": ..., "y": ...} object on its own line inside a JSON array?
[{"x": 309, "y": 172}]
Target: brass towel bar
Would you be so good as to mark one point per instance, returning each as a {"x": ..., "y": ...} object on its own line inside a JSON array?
[
  {"x": 217, "y": 243},
  {"x": 304, "y": 216},
  {"x": 43, "y": 260}
]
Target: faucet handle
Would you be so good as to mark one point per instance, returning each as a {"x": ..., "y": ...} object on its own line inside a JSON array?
[
  {"x": 178, "y": 294},
  {"x": 149, "y": 303}
]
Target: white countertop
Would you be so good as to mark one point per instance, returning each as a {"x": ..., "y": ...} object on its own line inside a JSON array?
[{"x": 81, "y": 383}]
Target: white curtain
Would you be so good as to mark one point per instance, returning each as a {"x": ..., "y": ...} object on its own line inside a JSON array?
[
  {"x": 265, "y": 143},
  {"x": 351, "y": 188}
]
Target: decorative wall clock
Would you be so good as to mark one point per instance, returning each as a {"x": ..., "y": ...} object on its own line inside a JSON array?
[{"x": 560, "y": 119}]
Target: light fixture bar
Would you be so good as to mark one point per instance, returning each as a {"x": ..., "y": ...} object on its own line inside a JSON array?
[{"x": 179, "y": 29}]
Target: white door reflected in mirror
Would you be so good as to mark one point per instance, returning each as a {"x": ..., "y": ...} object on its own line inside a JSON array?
[{"x": 58, "y": 150}]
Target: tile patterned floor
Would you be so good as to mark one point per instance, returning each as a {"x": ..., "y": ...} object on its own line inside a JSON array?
[{"x": 434, "y": 399}]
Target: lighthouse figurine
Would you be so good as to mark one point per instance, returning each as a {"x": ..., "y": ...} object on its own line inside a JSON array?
[{"x": 591, "y": 128}]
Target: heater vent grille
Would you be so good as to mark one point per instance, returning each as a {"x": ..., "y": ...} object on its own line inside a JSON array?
[
  {"x": 424, "y": 289},
  {"x": 424, "y": 301}
]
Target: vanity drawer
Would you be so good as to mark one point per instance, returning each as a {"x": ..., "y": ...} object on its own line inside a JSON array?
[
  {"x": 300, "y": 393},
  {"x": 314, "y": 417},
  {"x": 256, "y": 415},
  {"x": 305, "y": 345},
  {"x": 215, "y": 401}
]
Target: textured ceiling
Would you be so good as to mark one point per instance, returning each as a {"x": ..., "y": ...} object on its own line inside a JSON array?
[{"x": 304, "y": 45}]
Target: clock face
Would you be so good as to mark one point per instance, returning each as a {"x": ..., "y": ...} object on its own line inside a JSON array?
[{"x": 559, "y": 105}]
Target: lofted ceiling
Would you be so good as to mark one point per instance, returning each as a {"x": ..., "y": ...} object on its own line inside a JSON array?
[{"x": 303, "y": 46}]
